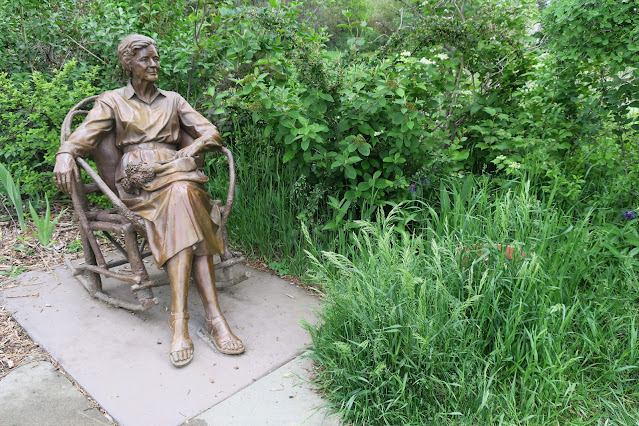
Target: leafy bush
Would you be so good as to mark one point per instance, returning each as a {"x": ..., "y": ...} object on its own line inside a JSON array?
[
  {"x": 437, "y": 98},
  {"x": 30, "y": 39},
  {"x": 32, "y": 112},
  {"x": 595, "y": 83}
]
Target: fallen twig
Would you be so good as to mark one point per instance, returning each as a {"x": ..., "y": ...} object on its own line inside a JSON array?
[{"x": 23, "y": 295}]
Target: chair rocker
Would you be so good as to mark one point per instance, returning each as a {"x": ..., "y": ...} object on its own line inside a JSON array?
[{"x": 123, "y": 222}]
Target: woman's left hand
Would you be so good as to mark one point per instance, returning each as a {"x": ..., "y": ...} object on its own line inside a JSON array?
[{"x": 189, "y": 151}]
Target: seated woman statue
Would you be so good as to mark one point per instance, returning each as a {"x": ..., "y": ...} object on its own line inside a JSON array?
[{"x": 171, "y": 199}]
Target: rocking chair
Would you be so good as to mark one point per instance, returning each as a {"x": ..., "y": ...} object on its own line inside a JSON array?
[{"x": 120, "y": 221}]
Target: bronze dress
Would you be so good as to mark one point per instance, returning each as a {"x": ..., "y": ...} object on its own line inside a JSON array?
[{"x": 174, "y": 204}]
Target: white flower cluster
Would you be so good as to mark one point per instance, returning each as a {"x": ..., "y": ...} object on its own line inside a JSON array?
[
  {"x": 442, "y": 56},
  {"x": 426, "y": 61}
]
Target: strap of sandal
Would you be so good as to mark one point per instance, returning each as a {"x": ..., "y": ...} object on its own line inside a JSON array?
[
  {"x": 215, "y": 321},
  {"x": 179, "y": 315}
]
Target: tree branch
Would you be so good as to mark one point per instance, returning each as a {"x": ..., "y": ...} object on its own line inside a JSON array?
[
  {"x": 413, "y": 8},
  {"x": 84, "y": 48}
]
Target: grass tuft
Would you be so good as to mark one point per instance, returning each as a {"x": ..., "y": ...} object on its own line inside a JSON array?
[{"x": 427, "y": 320}]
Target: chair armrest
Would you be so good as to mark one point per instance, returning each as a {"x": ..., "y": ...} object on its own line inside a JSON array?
[{"x": 123, "y": 209}]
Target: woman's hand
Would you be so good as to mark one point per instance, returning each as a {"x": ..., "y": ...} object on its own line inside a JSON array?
[
  {"x": 189, "y": 151},
  {"x": 65, "y": 172}
]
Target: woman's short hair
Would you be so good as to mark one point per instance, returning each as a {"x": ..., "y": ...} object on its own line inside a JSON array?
[{"x": 128, "y": 46}]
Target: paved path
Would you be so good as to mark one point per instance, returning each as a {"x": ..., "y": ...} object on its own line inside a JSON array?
[{"x": 121, "y": 358}]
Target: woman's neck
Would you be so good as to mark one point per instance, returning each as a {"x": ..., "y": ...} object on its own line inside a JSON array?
[{"x": 145, "y": 89}]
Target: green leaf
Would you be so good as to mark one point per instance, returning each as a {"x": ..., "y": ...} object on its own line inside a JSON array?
[
  {"x": 363, "y": 186},
  {"x": 398, "y": 118},
  {"x": 382, "y": 183},
  {"x": 309, "y": 100},
  {"x": 365, "y": 149},
  {"x": 350, "y": 172},
  {"x": 491, "y": 111},
  {"x": 288, "y": 156},
  {"x": 288, "y": 139},
  {"x": 460, "y": 155}
]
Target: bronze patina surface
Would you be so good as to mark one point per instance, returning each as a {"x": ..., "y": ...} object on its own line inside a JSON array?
[{"x": 159, "y": 182}]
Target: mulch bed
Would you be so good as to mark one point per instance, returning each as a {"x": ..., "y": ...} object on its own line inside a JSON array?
[
  {"x": 21, "y": 252},
  {"x": 15, "y": 344}
]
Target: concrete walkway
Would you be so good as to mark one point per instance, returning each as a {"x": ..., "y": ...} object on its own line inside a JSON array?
[{"x": 121, "y": 359}]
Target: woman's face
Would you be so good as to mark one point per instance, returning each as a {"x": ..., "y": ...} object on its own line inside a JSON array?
[{"x": 145, "y": 65}]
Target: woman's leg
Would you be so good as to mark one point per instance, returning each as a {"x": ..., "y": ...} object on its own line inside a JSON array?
[
  {"x": 216, "y": 325},
  {"x": 179, "y": 270}
]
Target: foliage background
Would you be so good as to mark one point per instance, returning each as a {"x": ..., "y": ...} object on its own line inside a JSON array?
[{"x": 485, "y": 121}]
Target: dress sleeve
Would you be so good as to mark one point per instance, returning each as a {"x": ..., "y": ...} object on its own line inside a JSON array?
[
  {"x": 197, "y": 126},
  {"x": 86, "y": 137}
]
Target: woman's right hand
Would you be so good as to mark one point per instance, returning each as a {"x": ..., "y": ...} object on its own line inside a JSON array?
[{"x": 65, "y": 172}]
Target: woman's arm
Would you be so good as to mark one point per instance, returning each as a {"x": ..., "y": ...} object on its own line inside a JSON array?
[
  {"x": 81, "y": 142},
  {"x": 205, "y": 134}
]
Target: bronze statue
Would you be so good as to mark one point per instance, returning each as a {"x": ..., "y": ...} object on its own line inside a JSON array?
[{"x": 161, "y": 184}]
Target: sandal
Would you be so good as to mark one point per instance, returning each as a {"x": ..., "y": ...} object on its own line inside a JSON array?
[
  {"x": 225, "y": 342},
  {"x": 184, "y": 355}
]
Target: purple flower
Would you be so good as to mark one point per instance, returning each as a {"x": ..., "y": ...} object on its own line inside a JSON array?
[
  {"x": 413, "y": 187},
  {"x": 629, "y": 215}
]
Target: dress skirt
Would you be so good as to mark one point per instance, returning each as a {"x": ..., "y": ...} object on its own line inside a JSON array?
[{"x": 175, "y": 205}]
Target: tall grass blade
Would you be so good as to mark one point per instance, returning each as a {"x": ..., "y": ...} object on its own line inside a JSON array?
[
  {"x": 12, "y": 188},
  {"x": 44, "y": 225}
]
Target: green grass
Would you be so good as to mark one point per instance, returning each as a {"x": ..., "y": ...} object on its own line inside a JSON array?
[
  {"x": 269, "y": 205},
  {"x": 427, "y": 322},
  {"x": 12, "y": 190}
]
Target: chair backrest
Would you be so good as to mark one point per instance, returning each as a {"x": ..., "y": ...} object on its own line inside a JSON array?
[{"x": 106, "y": 155}]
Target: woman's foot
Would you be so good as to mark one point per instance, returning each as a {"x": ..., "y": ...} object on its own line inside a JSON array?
[
  {"x": 182, "y": 345},
  {"x": 220, "y": 335}
]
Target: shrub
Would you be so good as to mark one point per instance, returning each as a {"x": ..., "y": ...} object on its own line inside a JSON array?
[{"x": 32, "y": 112}]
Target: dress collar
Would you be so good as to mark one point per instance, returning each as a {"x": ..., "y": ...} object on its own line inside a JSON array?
[{"x": 129, "y": 91}]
